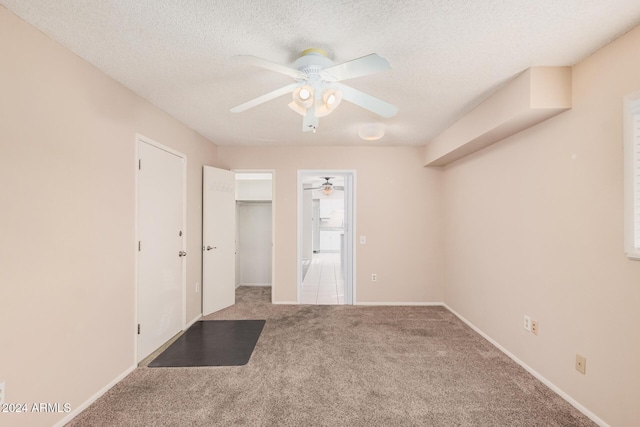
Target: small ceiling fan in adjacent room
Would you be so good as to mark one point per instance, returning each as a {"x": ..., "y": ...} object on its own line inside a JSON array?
[
  {"x": 327, "y": 187},
  {"x": 317, "y": 91}
]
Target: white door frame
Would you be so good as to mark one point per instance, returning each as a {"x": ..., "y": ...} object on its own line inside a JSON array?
[
  {"x": 349, "y": 232},
  {"x": 141, "y": 138},
  {"x": 273, "y": 222}
]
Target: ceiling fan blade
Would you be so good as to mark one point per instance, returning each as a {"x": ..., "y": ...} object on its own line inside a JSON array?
[
  {"x": 359, "y": 67},
  {"x": 366, "y": 101},
  {"x": 268, "y": 65},
  {"x": 264, "y": 98}
]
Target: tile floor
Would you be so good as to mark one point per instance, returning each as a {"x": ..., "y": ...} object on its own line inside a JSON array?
[{"x": 323, "y": 283}]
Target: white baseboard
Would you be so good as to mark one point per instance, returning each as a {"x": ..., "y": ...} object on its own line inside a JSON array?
[
  {"x": 195, "y": 319},
  {"x": 254, "y": 284},
  {"x": 421, "y": 304},
  {"x": 529, "y": 369},
  {"x": 71, "y": 415},
  {"x": 102, "y": 391},
  {"x": 407, "y": 304}
]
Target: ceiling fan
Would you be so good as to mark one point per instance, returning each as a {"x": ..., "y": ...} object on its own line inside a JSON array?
[
  {"x": 326, "y": 187},
  {"x": 317, "y": 90}
]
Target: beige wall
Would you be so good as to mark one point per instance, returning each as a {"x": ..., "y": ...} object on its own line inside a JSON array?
[
  {"x": 67, "y": 281},
  {"x": 397, "y": 207},
  {"x": 534, "y": 225}
]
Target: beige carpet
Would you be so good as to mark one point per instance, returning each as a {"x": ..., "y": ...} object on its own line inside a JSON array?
[{"x": 341, "y": 366}]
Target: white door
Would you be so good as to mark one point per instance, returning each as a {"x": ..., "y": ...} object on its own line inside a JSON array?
[
  {"x": 160, "y": 247},
  {"x": 218, "y": 239}
]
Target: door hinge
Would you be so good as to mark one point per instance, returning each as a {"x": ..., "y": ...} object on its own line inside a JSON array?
[
  {"x": 139, "y": 246},
  {"x": 138, "y": 328},
  {"x": 139, "y": 164}
]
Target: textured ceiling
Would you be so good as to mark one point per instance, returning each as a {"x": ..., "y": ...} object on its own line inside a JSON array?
[{"x": 447, "y": 55}]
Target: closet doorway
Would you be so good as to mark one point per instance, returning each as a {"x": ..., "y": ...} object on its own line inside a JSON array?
[{"x": 254, "y": 228}]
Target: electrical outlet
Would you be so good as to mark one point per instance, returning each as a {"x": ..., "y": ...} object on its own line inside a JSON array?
[
  {"x": 363, "y": 240},
  {"x": 527, "y": 323},
  {"x": 581, "y": 364},
  {"x": 534, "y": 327},
  {"x": 374, "y": 277},
  {"x": 2, "y": 388},
  {"x": 197, "y": 284}
]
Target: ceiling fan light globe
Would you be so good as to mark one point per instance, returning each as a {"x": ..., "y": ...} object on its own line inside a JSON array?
[
  {"x": 330, "y": 100},
  {"x": 304, "y": 93},
  {"x": 321, "y": 110},
  {"x": 298, "y": 108},
  {"x": 303, "y": 96}
]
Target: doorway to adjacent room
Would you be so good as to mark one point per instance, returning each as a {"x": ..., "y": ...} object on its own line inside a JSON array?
[{"x": 325, "y": 236}]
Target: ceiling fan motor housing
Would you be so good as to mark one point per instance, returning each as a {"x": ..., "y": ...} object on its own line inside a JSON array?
[{"x": 312, "y": 62}]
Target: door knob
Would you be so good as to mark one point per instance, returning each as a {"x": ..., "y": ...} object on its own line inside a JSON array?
[
  {"x": 209, "y": 247},
  {"x": 182, "y": 253}
]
